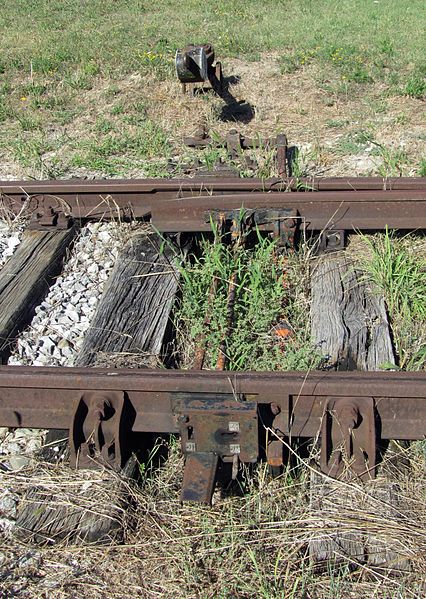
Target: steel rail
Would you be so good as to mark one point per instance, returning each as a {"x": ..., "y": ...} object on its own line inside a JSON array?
[
  {"x": 186, "y": 209},
  {"x": 316, "y": 211},
  {"x": 43, "y": 397},
  {"x": 214, "y": 184}
]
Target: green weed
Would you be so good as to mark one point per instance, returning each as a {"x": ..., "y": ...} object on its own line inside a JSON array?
[
  {"x": 416, "y": 86},
  {"x": 396, "y": 266},
  {"x": 155, "y": 168},
  {"x": 269, "y": 330},
  {"x": 393, "y": 160},
  {"x": 118, "y": 109},
  {"x": 5, "y": 110},
  {"x": 29, "y": 152},
  {"x": 336, "y": 123},
  {"x": 293, "y": 61},
  {"x": 82, "y": 78},
  {"x": 103, "y": 125},
  {"x": 354, "y": 143},
  {"x": 117, "y": 148},
  {"x": 28, "y": 122}
]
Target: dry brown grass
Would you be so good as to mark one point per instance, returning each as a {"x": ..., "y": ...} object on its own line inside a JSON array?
[{"x": 246, "y": 545}]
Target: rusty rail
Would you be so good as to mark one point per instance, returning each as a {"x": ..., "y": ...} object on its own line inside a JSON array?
[
  {"x": 221, "y": 416},
  {"x": 137, "y": 187},
  {"x": 314, "y": 211},
  {"x": 186, "y": 205}
]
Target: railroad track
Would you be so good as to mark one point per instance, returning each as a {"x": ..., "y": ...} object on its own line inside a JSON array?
[{"x": 223, "y": 418}]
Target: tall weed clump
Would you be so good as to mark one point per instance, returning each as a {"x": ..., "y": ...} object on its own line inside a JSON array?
[
  {"x": 396, "y": 267},
  {"x": 269, "y": 330}
]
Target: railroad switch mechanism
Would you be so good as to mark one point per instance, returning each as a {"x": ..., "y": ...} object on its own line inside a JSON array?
[
  {"x": 348, "y": 437},
  {"x": 213, "y": 428},
  {"x": 100, "y": 431},
  {"x": 235, "y": 144},
  {"x": 282, "y": 223},
  {"x": 195, "y": 65}
]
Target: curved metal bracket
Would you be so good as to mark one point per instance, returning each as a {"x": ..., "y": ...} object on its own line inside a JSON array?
[
  {"x": 348, "y": 437},
  {"x": 100, "y": 430}
]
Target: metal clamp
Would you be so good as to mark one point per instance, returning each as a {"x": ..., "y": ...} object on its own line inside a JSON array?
[
  {"x": 100, "y": 429},
  {"x": 282, "y": 222},
  {"x": 332, "y": 240},
  {"x": 275, "y": 446},
  {"x": 348, "y": 437},
  {"x": 48, "y": 213}
]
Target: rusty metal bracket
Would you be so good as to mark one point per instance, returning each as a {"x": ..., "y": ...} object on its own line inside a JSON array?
[
  {"x": 281, "y": 145},
  {"x": 47, "y": 217},
  {"x": 332, "y": 240},
  {"x": 235, "y": 144},
  {"x": 237, "y": 222},
  {"x": 275, "y": 446},
  {"x": 100, "y": 430},
  {"x": 213, "y": 427},
  {"x": 282, "y": 223},
  {"x": 348, "y": 437},
  {"x": 199, "y": 476}
]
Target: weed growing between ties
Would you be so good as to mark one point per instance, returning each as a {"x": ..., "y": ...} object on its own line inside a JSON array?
[
  {"x": 270, "y": 328},
  {"x": 396, "y": 267}
]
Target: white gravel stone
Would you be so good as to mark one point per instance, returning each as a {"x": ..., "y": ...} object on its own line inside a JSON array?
[
  {"x": 10, "y": 238},
  {"x": 72, "y": 315},
  {"x": 70, "y": 305},
  {"x": 8, "y": 509},
  {"x": 56, "y": 333},
  {"x": 93, "y": 268}
]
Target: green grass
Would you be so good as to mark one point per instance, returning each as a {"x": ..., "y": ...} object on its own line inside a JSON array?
[
  {"x": 130, "y": 35},
  {"x": 110, "y": 153},
  {"x": 354, "y": 142},
  {"x": 396, "y": 267},
  {"x": 267, "y": 299},
  {"x": 54, "y": 55},
  {"x": 416, "y": 84}
]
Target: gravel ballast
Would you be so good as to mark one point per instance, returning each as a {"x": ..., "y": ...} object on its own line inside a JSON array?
[
  {"x": 56, "y": 332},
  {"x": 10, "y": 238}
]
